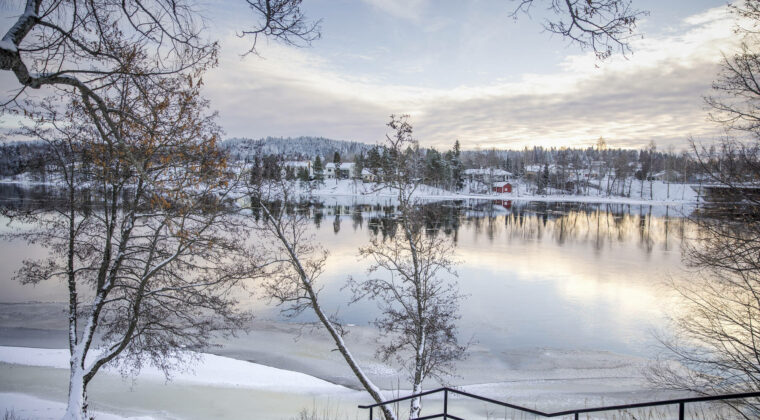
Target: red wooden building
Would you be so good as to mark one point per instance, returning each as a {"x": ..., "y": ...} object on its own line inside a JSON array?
[{"x": 502, "y": 187}]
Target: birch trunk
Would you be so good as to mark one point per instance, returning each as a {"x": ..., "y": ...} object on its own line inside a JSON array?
[{"x": 76, "y": 408}]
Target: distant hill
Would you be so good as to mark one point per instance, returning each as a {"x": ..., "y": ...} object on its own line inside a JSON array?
[{"x": 294, "y": 147}]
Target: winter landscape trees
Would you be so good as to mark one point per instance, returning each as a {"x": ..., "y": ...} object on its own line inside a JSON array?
[
  {"x": 150, "y": 249},
  {"x": 151, "y": 256},
  {"x": 715, "y": 333},
  {"x": 419, "y": 304},
  {"x": 144, "y": 240}
]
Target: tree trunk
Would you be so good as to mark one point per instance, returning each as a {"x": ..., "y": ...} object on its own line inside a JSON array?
[{"x": 77, "y": 403}]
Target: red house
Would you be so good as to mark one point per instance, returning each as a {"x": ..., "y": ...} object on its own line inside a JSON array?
[{"x": 502, "y": 187}]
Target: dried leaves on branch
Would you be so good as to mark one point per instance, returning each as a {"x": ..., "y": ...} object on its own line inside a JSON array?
[{"x": 146, "y": 239}]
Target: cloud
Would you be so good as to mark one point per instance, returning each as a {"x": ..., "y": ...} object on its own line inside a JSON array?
[
  {"x": 404, "y": 9},
  {"x": 654, "y": 94}
]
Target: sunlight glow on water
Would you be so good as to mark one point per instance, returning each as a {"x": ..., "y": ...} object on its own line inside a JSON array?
[{"x": 576, "y": 276}]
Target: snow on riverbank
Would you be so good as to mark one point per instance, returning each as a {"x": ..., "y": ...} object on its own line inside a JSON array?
[
  {"x": 207, "y": 369},
  {"x": 658, "y": 193},
  {"x": 27, "y": 407},
  {"x": 654, "y": 193}
]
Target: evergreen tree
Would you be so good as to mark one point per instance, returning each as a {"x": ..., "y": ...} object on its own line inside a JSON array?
[
  {"x": 319, "y": 170},
  {"x": 336, "y": 162},
  {"x": 543, "y": 179},
  {"x": 303, "y": 174},
  {"x": 457, "y": 168},
  {"x": 358, "y": 165}
]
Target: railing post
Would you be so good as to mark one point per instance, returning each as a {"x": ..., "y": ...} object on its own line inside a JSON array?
[
  {"x": 576, "y": 416},
  {"x": 681, "y": 411},
  {"x": 370, "y": 412},
  {"x": 445, "y": 404}
]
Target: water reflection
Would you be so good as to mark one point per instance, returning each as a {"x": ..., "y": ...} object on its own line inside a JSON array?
[{"x": 566, "y": 275}]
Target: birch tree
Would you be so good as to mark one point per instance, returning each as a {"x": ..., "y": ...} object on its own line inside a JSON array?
[
  {"x": 291, "y": 277},
  {"x": 419, "y": 304},
  {"x": 145, "y": 242}
]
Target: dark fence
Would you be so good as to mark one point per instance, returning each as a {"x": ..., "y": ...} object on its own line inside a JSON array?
[{"x": 680, "y": 402}]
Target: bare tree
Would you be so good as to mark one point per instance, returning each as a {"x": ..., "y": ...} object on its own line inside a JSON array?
[
  {"x": 291, "y": 277},
  {"x": 419, "y": 305},
  {"x": 604, "y": 26},
  {"x": 145, "y": 241},
  {"x": 76, "y": 43},
  {"x": 81, "y": 48},
  {"x": 715, "y": 335}
]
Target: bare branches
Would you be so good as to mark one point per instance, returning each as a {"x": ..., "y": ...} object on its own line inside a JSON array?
[
  {"x": 604, "y": 26},
  {"x": 717, "y": 329},
  {"x": 293, "y": 268},
  {"x": 413, "y": 287},
  {"x": 148, "y": 243},
  {"x": 283, "y": 21}
]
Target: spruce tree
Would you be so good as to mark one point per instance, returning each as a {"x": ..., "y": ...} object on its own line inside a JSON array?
[{"x": 319, "y": 170}]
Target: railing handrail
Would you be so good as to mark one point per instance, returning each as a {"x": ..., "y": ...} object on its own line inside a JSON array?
[{"x": 679, "y": 401}]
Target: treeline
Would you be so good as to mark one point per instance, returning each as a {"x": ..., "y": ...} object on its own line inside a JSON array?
[
  {"x": 20, "y": 157},
  {"x": 626, "y": 162},
  {"x": 573, "y": 170}
]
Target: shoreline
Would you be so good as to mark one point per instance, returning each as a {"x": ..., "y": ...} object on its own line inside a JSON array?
[
  {"x": 547, "y": 377},
  {"x": 368, "y": 190}
]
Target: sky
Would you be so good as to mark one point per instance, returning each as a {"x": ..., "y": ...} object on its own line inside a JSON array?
[
  {"x": 467, "y": 71},
  {"x": 470, "y": 71}
]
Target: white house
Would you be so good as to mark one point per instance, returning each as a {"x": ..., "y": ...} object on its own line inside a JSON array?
[
  {"x": 368, "y": 176},
  {"x": 347, "y": 170}
]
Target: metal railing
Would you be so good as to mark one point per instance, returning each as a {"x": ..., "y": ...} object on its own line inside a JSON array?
[{"x": 680, "y": 402}]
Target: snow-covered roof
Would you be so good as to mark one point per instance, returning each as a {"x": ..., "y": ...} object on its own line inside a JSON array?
[
  {"x": 487, "y": 171},
  {"x": 500, "y": 183},
  {"x": 343, "y": 165},
  {"x": 297, "y": 163}
]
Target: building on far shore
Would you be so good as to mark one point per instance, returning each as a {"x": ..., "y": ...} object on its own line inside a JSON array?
[
  {"x": 347, "y": 170},
  {"x": 487, "y": 175}
]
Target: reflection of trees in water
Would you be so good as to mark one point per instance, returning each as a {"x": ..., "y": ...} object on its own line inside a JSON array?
[{"x": 598, "y": 225}]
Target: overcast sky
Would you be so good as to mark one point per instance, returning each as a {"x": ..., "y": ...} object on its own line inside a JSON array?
[{"x": 468, "y": 71}]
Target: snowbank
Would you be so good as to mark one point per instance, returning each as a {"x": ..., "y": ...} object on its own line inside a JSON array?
[
  {"x": 208, "y": 369},
  {"x": 27, "y": 407}
]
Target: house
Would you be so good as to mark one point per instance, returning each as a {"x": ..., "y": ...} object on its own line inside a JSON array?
[
  {"x": 346, "y": 169},
  {"x": 487, "y": 175},
  {"x": 368, "y": 176},
  {"x": 501, "y": 187}
]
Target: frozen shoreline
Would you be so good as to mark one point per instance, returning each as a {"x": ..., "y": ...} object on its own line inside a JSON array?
[
  {"x": 313, "y": 375},
  {"x": 659, "y": 193},
  {"x": 371, "y": 191}
]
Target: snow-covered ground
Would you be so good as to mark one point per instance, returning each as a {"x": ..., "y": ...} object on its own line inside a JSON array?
[
  {"x": 290, "y": 375},
  {"x": 27, "y": 407},
  {"x": 656, "y": 193},
  {"x": 203, "y": 368}
]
